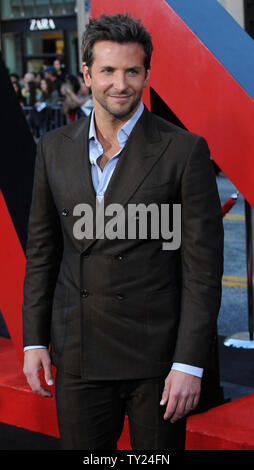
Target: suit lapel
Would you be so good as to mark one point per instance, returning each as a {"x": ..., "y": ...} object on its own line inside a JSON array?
[
  {"x": 143, "y": 149},
  {"x": 78, "y": 170}
]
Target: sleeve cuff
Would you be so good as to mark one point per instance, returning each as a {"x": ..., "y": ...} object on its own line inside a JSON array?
[
  {"x": 34, "y": 347},
  {"x": 197, "y": 371}
]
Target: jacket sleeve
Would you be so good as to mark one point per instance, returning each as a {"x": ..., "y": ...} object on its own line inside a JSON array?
[
  {"x": 202, "y": 258},
  {"x": 43, "y": 252}
]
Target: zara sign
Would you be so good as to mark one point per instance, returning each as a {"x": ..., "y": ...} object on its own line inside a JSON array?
[{"x": 42, "y": 24}]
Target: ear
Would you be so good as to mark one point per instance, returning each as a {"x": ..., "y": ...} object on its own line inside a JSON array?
[
  {"x": 147, "y": 77},
  {"x": 86, "y": 75}
]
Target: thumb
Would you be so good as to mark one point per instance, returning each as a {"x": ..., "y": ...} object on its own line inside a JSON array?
[{"x": 165, "y": 395}]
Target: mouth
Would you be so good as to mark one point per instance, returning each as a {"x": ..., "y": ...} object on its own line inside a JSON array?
[{"x": 120, "y": 98}]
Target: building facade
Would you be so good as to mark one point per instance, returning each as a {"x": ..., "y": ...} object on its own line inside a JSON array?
[
  {"x": 36, "y": 32},
  {"x": 249, "y": 16}
]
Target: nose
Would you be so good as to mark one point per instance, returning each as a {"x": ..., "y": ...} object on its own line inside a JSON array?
[{"x": 120, "y": 83}]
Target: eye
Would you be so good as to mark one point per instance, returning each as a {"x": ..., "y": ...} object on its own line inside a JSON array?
[
  {"x": 108, "y": 70},
  {"x": 132, "y": 71}
]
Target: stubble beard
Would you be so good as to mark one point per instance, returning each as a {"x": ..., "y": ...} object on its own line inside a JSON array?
[{"x": 121, "y": 113}]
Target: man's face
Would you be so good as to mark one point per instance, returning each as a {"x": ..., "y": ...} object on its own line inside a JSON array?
[
  {"x": 49, "y": 76},
  {"x": 117, "y": 77},
  {"x": 29, "y": 77},
  {"x": 57, "y": 64}
]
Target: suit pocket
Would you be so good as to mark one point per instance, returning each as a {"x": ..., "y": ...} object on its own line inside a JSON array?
[
  {"x": 160, "y": 193},
  {"x": 154, "y": 187},
  {"x": 163, "y": 310},
  {"x": 59, "y": 315}
]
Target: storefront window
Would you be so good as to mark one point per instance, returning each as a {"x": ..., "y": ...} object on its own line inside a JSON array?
[
  {"x": 10, "y": 9},
  {"x": 43, "y": 7},
  {"x": 12, "y": 48},
  {"x": 44, "y": 43},
  {"x": 45, "y": 30},
  {"x": 72, "y": 40},
  {"x": 48, "y": 45},
  {"x": 39, "y": 49},
  {"x": 28, "y": 8}
]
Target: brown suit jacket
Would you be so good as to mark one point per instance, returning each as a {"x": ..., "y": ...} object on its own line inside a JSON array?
[{"x": 123, "y": 308}]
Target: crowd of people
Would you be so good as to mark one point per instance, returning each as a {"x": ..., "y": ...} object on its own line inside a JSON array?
[{"x": 40, "y": 93}]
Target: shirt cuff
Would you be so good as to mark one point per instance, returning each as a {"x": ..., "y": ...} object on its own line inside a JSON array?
[
  {"x": 34, "y": 347},
  {"x": 197, "y": 371}
]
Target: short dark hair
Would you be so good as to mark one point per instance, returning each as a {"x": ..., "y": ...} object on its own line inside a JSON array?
[
  {"x": 118, "y": 28},
  {"x": 52, "y": 70},
  {"x": 73, "y": 81}
]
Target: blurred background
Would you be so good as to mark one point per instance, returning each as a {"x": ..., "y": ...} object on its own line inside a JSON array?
[{"x": 34, "y": 33}]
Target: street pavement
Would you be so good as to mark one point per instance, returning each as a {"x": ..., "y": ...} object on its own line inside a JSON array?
[
  {"x": 236, "y": 373},
  {"x": 233, "y": 317}
]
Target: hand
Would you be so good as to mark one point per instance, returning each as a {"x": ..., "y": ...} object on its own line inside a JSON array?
[
  {"x": 36, "y": 359},
  {"x": 181, "y": 393}
]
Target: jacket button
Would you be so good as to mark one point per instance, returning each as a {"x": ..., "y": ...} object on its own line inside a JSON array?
[
  {"x": 65, "y": 212},
  {"x": 119, "y": 296},
  {"x": 119, "y": 257},
  {"x": 84, "y": 293}
]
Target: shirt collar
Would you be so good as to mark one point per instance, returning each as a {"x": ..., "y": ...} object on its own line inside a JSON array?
[{"x": 123, "y": 132}]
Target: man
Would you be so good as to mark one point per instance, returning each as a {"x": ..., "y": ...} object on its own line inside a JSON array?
[
  {"x": 50, "y": 72},
  {"x": 129, "y": 323},
  {"x": 60, "y": 68}
]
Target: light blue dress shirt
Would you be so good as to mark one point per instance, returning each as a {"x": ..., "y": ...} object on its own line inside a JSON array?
[
  {"x": 100, "y": 177},
  {"x": 101, "y": 180}
]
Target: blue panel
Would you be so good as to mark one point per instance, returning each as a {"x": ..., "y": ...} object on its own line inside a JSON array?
[{"x": 222, "y": 35}]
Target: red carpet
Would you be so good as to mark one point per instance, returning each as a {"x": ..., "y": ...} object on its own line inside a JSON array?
[
  {"x": 124, "y": 441},
  {"x": 226, "y": 427},
  {"x": 19, "y": 406}
]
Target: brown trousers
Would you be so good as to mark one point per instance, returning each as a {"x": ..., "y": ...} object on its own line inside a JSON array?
[{"x": 91, "y": 414}]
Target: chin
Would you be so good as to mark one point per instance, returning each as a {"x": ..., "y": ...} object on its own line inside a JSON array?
[{"x": 120, "y": 113}]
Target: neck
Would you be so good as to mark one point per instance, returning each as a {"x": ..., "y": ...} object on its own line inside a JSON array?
[{"x": 107, "y": 125}]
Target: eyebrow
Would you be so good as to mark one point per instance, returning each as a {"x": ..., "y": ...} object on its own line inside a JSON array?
[{"x": 136, "y": 67}]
